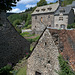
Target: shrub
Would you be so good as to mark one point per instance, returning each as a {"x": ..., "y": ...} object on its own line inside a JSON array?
[
  {"x": 18, "y": 30},
  {"x": 28, "y": 20},
  {"x": 71, "y": 26},
  {"x": 17, "y": 22},
  {"x": 34, "y": 39},
  {"x": 6, "y": 70},
  {"x": 65, "y": 68}
]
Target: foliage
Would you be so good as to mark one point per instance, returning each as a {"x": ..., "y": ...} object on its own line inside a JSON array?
[
  {"x": 71, "y": 26},
  {"x": 22, "y": 71},
  {"x": 21, "y": 16},
  {"x": 34, "y": 39},
  {"x": 18, "y": 29},
  {"x": 34, "y": 8},
  {"x": 7, "y": 4},
  {"x": 6, "y": 70},
  {"x": 42, "y": 3},
  {"x": 31, "y": 48},
  {"x": 24, "y": 34},
  {"x": 28, "y": 22},
  {"x": 17, "y": 22},
  {"x": 29, "y": 9},
  {"x": 28, "y": 27},
  {"x": 67, "y": 2},
  {"x": 65, "y": 68},
  {"x": 27, "y": 34}
]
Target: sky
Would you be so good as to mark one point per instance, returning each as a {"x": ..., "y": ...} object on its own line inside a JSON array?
[{"x": 22, "y": 5}]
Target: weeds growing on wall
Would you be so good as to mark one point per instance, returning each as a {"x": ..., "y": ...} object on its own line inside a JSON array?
[
  {"x": 65, "y": 69},
  {"x": 6, "y": 70}
]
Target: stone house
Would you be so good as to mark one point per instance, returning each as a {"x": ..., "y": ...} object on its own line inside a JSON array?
[
  {"x": 63, "y": 17},
  {"x": 53, "y": 16},
  {"x": 44, "y": 16},
  {"x": 44, "y": 58}
]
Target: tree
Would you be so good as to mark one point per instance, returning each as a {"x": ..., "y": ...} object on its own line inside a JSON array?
[
  {"x": 7, "y": 4},
  {"x": 17, "y": 22},
  {"x": 42, "y": 3}
]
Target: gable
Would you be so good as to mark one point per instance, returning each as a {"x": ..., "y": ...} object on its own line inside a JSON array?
[{"x": 44, "y": 58}]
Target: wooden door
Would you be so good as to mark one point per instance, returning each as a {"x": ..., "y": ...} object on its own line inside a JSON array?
[{"x": 41, "y": 19}]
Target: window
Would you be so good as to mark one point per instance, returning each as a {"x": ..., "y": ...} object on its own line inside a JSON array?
[
  {"x": 37, "y": 10},
  {"x": 49, "y": 16},
  {"x": 62, "y": 26},
  {"x": 45, "y": 43},
  {"x": 61, "y": 18},
  {"x": 37, "y": 73},
  {"x": 56, "y": 25},
  {"x": 49, "y": 62},
  {"x": 35, "y": 17},
  {"x": 49, "y": 8},
  {"x": 62, "y": 10},
  {"x": 43, "y": 9},
  {"x": 41, "y": 19}
]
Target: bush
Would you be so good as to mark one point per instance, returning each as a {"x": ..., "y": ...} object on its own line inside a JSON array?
[
  {"x": 17, "y": 22},
  {"x": 28, "y": 22},
  {"x": 34, "y": 39},
  {"x": 18, "y": 30},
  {"x": 6, "y": 70},
  {"x": 71, "y": 26},
  {"x": 65, "y": 68}
]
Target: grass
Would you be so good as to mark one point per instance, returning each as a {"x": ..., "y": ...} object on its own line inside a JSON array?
[
  {"x": 28, "y": 27},
  {"x": 22, "y": 71},
  {"x": 31, "y": 47},
  {"x": 33, "y": 39},
  {"x": 27, "y": 34}
]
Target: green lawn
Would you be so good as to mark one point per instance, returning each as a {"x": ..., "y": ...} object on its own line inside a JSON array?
[{"x": 22, "y": 71}]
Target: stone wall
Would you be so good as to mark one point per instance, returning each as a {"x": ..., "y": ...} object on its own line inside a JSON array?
[
  {"x": 39, "y": 22},
  {"x": 44, "y": 58},
  {"x": 13, "y": 47}
]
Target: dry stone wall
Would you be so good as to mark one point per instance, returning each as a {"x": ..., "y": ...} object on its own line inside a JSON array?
[
  {"x": 44, "y": 58},
  {"x": 13, "y": 47}
]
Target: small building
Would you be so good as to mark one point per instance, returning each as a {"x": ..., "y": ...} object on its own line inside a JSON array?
[
  {"x": 63, "y": 17},
  {"x": 52, "y": 15}
]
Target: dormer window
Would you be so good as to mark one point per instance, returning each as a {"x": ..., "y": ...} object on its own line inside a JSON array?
[
  {"x": 43, "y": 9},
  {"x": 37, "y": 10},
  {"x": 49, "y": 8},
  {"x": 62, "y": 10}
]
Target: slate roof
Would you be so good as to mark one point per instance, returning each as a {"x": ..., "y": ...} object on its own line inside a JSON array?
[
  {"x": 46, "y": 8},
  {"x": 72, "y": 5},
  {"x": 63, "y": 10}
]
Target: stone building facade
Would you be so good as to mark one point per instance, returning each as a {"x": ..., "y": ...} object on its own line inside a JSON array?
[
  {"x": 53, "y": 16},
  {"x": 13, "y": 47},
  {"x": 63, "y": 17},
  {"x": 43, "y": 17},
  {"x": 44, "y": 58}
]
